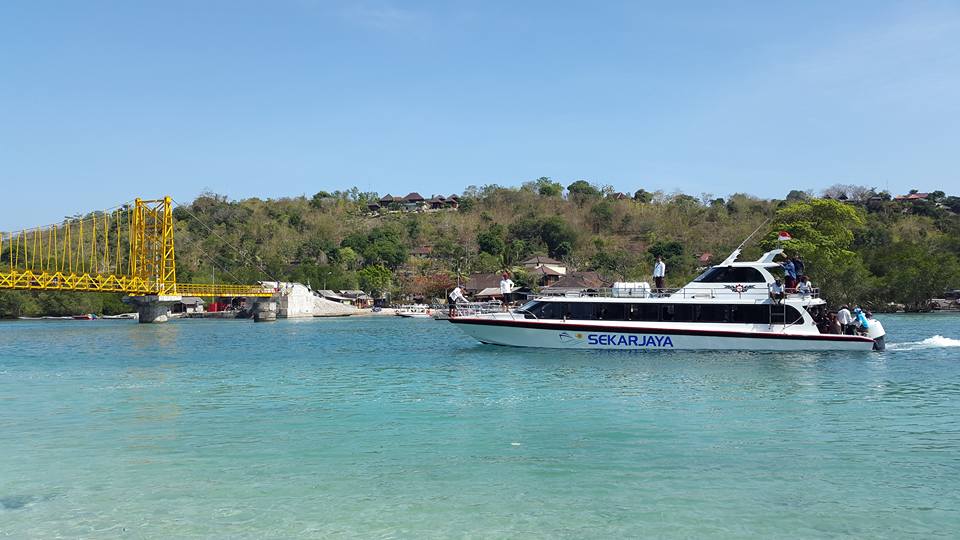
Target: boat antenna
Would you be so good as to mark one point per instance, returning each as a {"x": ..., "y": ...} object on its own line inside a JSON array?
[
  {"x": 747, "y": 239},
  {"x": 736, "y": 253}
]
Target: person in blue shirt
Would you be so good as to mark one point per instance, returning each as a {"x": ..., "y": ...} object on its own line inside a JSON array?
[
  {"x": 861, "y": 320},
  {"x": 791, "y": 274},
  {"x": 798, "y": 265}
]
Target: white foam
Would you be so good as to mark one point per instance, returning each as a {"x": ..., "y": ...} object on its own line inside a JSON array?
[{"x": 935, "y": 342}]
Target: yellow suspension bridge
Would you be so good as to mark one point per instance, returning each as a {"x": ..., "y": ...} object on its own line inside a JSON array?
[{"x": 129, "y": 249}]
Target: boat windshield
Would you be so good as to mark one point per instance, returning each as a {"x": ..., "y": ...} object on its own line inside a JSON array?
[{"x": 731, "y": 274}]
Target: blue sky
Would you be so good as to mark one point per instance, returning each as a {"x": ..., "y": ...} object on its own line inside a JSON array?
[{"x": 101, "y": 102}]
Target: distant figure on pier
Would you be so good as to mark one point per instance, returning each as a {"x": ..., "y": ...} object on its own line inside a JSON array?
[{"x": 659, "y": 273}]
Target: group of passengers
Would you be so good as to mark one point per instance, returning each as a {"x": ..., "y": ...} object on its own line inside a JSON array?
[
  {"x": 794, "y": 281},
  {"x": 843, "y": 321}
]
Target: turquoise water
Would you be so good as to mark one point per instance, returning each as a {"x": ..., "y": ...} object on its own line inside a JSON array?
[{"x": 382, "y": 428}]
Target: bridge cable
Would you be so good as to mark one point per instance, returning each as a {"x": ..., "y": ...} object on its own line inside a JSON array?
[{"x": 242, "y": 252}]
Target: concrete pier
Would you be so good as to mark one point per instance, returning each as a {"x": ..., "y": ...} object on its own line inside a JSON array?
[
  {"x": 152, "y": 308},
  {"x": 265, "y": 309}
]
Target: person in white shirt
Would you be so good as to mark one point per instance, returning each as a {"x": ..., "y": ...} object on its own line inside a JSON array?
[
  {"x": 804, "y": 287},
  {"x": 506, "y": 289},
  {"x": 456, "y": 295},
  {"x": 845, "y": 319},
  {"x": 776, "y": 290},
  {"x": 659, "y": 272}
]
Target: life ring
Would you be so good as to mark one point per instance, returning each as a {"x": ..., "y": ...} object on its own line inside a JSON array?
[{"x": 739, "y": 289}]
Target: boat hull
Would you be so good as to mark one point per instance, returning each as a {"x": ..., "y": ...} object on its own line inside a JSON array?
[{"x": 567, "y": 335}]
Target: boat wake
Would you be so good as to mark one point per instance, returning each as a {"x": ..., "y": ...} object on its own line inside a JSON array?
[{"x": 935, "y": 342}]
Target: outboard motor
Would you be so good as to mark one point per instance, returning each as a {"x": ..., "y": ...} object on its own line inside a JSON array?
[{"x": 876, "y": 333}]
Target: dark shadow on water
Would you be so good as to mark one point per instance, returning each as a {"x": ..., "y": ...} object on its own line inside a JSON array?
[{"x": 18, "y": 502}]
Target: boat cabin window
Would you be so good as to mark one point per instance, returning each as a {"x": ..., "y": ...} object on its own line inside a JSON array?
[
  {"x": 661, "y": 312},
  {"x": 731, "y": 274}
]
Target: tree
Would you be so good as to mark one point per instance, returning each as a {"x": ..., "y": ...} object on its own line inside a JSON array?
[
  {"x": 798, "y": 195},
  {"x": 642, "y": 196},
  {"x": 919, "y": 272},
  {"x": 610, "y": 261},
  {"x": 601, "y": 214},
  {"x": 953, "y": 203},
  {"x": 487, "y": 263},
  {"x": 822, "y": 233},
  {"x": 317, "y": 200},
  {"x": 849, "y": 192},
  {"x": 491, "y": 240},
  {"x": 347, "y": 257},
  {"x": 558, "y": 235},
  {"x": 375, "y": 278},
  {"x": 15, "y": 304},
  {"x": 548, "y": 188},
  {"x": 667, "y": 250},
  {"x": 386, "y": 251},
  {"x": 382, "y": 245},
  {"x": 581, "y": 189}
]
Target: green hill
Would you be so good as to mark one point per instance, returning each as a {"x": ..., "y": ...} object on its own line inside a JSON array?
[{"x": 859, "y": 245}]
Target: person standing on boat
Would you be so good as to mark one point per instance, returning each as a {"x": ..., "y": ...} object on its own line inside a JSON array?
[
  {"x": 845, "y": 319},
  {"x": 659, "y": 272},
  {"x": 833, "y": 326},
  {"x": 456, "y": 295},
  {"x": 506, "y": 289},
  {"x": 791, "y": 274},
  {"x": 798, "y": 265}
]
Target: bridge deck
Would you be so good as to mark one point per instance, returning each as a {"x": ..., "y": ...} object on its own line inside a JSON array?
[{"x": 60, "y": 281}]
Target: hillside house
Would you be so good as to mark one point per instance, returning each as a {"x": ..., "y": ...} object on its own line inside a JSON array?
[
  {"x": 422, "y": 252},
  {"x": 546, "y": 275},
  {"x": 480, "y": 281},
  {"x": 413, "y": 202}
]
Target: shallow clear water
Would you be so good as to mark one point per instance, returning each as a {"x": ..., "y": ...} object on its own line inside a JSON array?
[{"x": 382, "y": 427}]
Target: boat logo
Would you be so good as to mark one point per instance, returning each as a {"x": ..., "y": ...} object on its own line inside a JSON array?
[
  {"x": 566, "y": 337},
  {"x": 739, "y": 288}
]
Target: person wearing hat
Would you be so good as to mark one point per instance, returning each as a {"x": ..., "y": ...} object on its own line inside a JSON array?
[
  {"x": 845, "y": 319},
  {"x": 861, "y": 320}
]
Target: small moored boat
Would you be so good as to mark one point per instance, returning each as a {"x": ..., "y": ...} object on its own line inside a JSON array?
[{"x": 415, "y": 311}]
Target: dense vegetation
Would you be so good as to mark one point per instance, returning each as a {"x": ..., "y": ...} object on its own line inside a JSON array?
[{"x": 859, "y": 245}]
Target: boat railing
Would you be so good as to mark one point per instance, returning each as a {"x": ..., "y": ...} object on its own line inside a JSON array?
[
  {"x": 478, "y": 308},
  {"x": 741, "y": 291}
]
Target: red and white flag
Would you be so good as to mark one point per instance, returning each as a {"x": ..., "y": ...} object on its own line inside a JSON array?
[{"x": 784, "y": 236}]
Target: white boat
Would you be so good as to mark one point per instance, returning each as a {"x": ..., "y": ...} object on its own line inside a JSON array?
[
  {"x": 415, "y": 311},
  {"x": 728, "y": 307}
]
